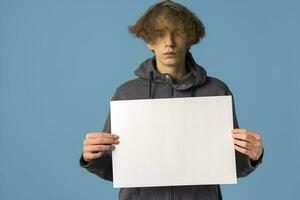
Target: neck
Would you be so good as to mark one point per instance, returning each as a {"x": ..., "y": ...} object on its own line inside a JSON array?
[{"x": 175, "y": 71}]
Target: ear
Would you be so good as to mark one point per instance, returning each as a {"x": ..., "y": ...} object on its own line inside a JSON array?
[
  {"x": 150, "y": 46},
  {"x": 188, "y": 48}
]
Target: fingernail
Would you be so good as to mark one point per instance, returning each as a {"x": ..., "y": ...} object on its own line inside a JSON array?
[{"x": 116, "y": 137}]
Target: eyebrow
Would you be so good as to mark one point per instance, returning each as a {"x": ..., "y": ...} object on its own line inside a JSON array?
[{"x": 161, "y": 29}]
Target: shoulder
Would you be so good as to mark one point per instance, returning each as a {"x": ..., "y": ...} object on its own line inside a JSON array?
[
  {"x": 215, "y": 82},
  {"x": 215, "y": 86},
  {"x": 131, "y": 89},
  {"x": 132, "y": 84}
]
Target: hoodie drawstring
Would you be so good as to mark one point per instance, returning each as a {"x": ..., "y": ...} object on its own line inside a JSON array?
[
  {"x": 150, "y": 85},
  {"x": 193, "y": 91}
]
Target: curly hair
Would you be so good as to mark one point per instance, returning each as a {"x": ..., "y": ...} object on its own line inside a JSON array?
[{"x": 176, "y": 15}]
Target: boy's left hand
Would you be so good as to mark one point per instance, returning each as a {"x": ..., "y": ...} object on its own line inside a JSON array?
[{"x": 248, "y": 142}]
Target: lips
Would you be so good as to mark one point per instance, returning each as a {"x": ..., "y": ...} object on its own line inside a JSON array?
[{"x": 170, "y": 54}]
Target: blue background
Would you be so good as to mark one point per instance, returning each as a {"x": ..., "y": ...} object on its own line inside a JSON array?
[{"x": 61, "y": 61}]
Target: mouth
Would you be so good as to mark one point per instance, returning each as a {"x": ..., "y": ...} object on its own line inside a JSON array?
[{"x": 170, "y": 54}]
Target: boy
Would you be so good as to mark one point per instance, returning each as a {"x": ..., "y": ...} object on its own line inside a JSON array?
[{"x": 169, "y": 30}]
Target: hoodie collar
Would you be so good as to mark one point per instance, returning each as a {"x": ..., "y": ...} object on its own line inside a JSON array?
[{"x": 196, "y": 74}]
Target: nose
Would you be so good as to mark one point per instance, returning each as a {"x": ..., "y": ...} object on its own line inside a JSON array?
[{"x": 169, "y": 40}]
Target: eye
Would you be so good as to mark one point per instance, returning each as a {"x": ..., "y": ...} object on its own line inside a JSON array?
[
  {"x": 160, "y": 34},
  {"x": 178, "y": 33}
]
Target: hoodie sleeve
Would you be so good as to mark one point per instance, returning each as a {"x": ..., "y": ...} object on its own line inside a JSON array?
[
  {"x": 102, "y": 166},
  {"x": 244, "y": 165}
]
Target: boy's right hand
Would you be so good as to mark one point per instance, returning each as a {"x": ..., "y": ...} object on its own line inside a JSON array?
[{"x": 96, "y": 143}]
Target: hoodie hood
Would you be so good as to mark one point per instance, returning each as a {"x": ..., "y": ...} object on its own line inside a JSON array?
[{"x": 196, "y": 74}]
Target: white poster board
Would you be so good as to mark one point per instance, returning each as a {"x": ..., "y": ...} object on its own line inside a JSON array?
[{"x": 173, "y": 141}]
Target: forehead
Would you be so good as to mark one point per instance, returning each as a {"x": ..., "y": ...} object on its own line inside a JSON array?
[{"x": 164, "y": 23}]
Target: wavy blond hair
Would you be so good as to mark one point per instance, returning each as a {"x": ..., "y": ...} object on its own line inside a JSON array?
[{"x": 176, "y": 15}]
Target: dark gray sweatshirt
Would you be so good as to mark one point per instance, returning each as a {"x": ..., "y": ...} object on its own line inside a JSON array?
[{"x": 151, "y": 84}]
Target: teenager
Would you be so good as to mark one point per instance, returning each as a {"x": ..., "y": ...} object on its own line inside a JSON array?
[{"x": 169, "y": 30}]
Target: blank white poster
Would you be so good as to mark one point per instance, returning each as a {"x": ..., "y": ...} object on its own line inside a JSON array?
[{"x": 173, "y": 141}]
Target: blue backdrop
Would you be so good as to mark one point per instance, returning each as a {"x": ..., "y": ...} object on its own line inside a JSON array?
[{"x": 60, "y": 62}]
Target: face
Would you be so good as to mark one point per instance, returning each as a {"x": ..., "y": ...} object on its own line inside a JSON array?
[{"x": 170, "y": 46}]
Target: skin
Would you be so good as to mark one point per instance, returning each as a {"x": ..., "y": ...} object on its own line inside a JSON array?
[
  {"x": 95, "y": 143},
  {"x": 170, "y": 40},
  {"x": 248, "y": 142}
]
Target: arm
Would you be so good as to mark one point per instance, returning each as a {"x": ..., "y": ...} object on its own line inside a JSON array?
[
  {"x": 100, "y": 162},
  {"x": 244, "y": 164},
  {"x": 247, "y": 144}
]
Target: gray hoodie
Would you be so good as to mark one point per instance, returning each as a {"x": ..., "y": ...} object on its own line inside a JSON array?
[{"x": 151, "y": 84}]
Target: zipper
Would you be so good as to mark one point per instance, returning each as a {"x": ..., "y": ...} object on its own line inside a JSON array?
[
  {"x": 172, "y": 193},
  {"x": 168, "y": 82},
  {"x": 172, "y": 90},
  {"x": 171, "y": 188}
]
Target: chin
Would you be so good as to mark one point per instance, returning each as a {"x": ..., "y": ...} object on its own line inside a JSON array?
[
  {"x": 171, "y": 65},
  {"x": 168, "y": 62}
]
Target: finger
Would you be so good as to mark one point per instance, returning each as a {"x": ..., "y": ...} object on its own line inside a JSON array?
[
  {"x": 243, "y": 150},
  {"x": 93, "y": 141},
  {"x": 244, "y": 136},
  {"x": 254, "y": 155},
  {"x": 242, "y": 143},
  {"x": 254, "y": 134},
  {"x": 247, "y": 145},
  {"x": 90, "y": 156},
  {"x": 249, "y": 138},
  {"x": 101, "y": 134},
  {"x": 97, "y": 148},
  {"x": 239, "y": 130}
]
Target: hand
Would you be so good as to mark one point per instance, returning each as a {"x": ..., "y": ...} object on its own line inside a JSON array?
[
  {"x": 96, "y": 143},
  {"x": 248, "y": 142}
]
